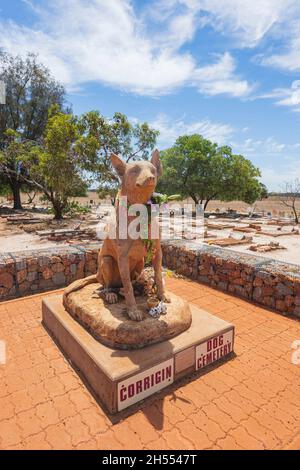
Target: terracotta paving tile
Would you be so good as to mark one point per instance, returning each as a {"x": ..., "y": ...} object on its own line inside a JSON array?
[
  {"x": 47, "y": 414},
  {"x": 108, "y": 441},
  {"x": 38, "y": 394},
  {"x": 194, "y": 434},
  {"x": 294, "y": 444},
  {"x": 184, "y": 403},
  {"x": 141, "y": 425},
  {"x": 28, "y": 423},
  {"x": 10, "y": 433},
  {"x": 213, "y": 412},
  {"x": 159, "y": 444},
  {"x": 260, "y": 432},
  {"x": 96, "y": 421},
  {"x": 91, "y": 444},
  {"x": 175, "y": 441},
  {"x": 54, "y": 386},
  {"x": 231, "y": 409},
  {"x": 172, "y": 411},
  {"x": 228, "y": 443},
  {"x": 214, "y": 430},
  {"x": 58, "y": 437},
  {"x": 287, "y": 419},
  {"x": 156, "y": 416},
  {"x": 244, "y": 440},
  {"x": 77, "y": 430},
  {"x": 7, "y": 409},
  {"x": 80, "y": 398},
  {"x": 240, "y": 400},
  {"x": 64, "y": 407},
  {"x": 36, "y": 442},
  {"x": 126, "y": 436},
  {"x": 252, "y": 396},
  {"x": 250, "y": 402},
  {"x": 70, "y": 380},
  {"x": 273, "y": 424}
]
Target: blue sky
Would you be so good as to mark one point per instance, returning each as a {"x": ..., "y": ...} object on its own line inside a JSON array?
[{"x": 228, "y": 69}]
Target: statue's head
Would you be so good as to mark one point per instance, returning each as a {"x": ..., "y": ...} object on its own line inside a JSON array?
[{"x": 139, "y": 176}]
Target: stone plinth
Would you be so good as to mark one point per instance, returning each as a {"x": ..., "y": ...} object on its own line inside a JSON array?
[
  {"x": 122, "y": 378},
  {"x": 111, "y": 325}
]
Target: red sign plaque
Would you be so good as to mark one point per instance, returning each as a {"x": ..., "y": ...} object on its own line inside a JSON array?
[
  {"x": 214, "y": 349},
  {"x": 144, "y": 384}
]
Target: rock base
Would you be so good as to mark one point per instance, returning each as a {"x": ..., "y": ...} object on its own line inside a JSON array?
[{"x": 110, "y": 324}]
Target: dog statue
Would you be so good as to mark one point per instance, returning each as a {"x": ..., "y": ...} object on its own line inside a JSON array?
[{"x": 121, "y": 261}]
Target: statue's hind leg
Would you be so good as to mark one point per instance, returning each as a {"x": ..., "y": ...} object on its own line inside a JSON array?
[
  {"x": 136, "y": 270},
  {"x": 109, "y": 277}
]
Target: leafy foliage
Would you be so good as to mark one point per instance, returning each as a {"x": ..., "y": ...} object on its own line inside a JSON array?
[
  {"x": 103, "y": 136},
  {"x": 196, "y": 167},
  {"x": 30, "y": 92},
  {"x": 56, "y": 167},
  {"x": 14, "y": 153},
  {"x": 73, "y": 208}
]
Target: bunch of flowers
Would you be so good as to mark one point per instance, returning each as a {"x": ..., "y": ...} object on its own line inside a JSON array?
[{"x": 158, "y": 202}]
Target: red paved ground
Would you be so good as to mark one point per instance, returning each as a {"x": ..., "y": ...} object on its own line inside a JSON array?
[{"x": 250, "y": 402}]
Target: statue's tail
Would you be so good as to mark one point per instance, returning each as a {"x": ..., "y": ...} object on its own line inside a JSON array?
[{"x": 79, "y": 284}]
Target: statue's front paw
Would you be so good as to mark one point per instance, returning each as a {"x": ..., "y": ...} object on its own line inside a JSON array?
[
  {"x": 111, "y": 298},
  {"x": 135, "y": 314}
]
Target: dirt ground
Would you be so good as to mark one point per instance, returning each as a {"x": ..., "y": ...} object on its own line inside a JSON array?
[
  {"x": 271, "y": 205},
  {"x": 16, "y": 238},
  {"x": 291, "y": 242}
]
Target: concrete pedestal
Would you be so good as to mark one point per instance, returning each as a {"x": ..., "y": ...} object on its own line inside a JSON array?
[{"x": 122, "y": 378}]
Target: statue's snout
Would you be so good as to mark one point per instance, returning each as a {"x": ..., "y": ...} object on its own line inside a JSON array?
[{"x": 147, "y": 180}]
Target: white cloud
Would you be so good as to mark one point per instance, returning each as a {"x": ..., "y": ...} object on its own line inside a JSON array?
[
  {"x": 248, "y": 23},
  {"x": 286, "y": 96},
  {"x": 289, "y": 58},
  {"x": 171, "y": 129},
  {"x": 245, "y": 20},
  {"x": 105, "y": 41},
  {"x": 220, "y": 78},
  {"x": 278, "y": 161},
  {"x": 275, "y": 179},
  {"x": 267, "y": 146}
]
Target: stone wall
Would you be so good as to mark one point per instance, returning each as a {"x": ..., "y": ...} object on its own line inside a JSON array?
[
  {"x": 270, "y": 283},
  {"x": 42, "y": 270}
]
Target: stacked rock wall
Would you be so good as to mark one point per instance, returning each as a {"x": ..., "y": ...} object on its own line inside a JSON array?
[
  {"x": 265, "y": 281},
  {"x": 42, "y": 270},
  {"x": 268, "y": 282}
]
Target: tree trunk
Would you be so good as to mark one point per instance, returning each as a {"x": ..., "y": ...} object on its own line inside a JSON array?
[
  {"x": 16, "y": 190},
  {"x": 58, "y": 210},
  {"x": 296, "y": 215},
  {"x": 195, "y": 199},
  {"x": 31, "y": 198},
  {"x": 206, "y": 203},
  {"x": 58, "y": 213}
]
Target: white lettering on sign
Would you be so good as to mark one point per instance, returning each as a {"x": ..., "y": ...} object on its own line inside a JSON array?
[
  {"x": 145, "y": 383},
  {"x": 214, "y": 349}
]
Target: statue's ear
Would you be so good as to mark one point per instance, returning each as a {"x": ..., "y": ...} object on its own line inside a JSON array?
[
  {"x": 156, "y": 162},
  {"x": 118, "y": 164}
]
